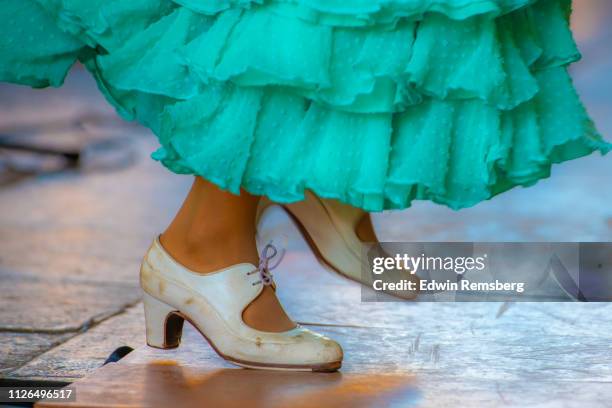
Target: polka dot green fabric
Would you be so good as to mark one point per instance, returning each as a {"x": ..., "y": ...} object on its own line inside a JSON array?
[{"x": 373, "y": 102}]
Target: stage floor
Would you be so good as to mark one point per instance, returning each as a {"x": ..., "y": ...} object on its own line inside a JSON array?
[
  {"x": 396, "y": 355},
  {"x": 72, "y": 240}
]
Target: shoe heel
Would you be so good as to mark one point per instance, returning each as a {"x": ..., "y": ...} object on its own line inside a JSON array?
[{"x": 164, "y": 325}]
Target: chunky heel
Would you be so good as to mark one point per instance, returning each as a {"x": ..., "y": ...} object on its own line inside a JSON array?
[{"x": 163, "y": 322}]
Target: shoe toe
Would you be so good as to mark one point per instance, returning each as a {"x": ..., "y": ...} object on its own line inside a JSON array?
[{"x": 319, "y": 348}]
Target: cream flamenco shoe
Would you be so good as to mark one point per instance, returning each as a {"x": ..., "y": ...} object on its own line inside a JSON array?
[
  {"x": 213, "y": 303},
  {"x": 329, "y": 227}
]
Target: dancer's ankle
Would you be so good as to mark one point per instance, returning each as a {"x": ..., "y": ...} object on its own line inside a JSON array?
[{"x": 209, "y": 252}]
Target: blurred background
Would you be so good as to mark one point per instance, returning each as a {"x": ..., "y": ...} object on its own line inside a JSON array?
[{"x": 80, "y": 200}]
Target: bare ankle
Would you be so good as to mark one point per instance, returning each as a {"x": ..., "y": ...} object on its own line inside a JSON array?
[{"x": 210, "y": 252}]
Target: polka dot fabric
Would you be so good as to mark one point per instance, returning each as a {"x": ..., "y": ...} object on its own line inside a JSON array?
[{"x": 372, "y": 102}]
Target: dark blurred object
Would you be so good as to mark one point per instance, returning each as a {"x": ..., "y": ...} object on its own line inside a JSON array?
[
  {"x": 72, "y": 157},
  {"x": 88, "y": 142},
  {"x": 118, "y": 354}
]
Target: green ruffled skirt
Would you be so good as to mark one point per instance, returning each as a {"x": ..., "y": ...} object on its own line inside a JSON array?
[{"x": 372, "y": 102}]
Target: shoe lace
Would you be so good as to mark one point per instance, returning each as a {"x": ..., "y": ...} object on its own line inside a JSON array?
[{"x": 268, "y": 253}]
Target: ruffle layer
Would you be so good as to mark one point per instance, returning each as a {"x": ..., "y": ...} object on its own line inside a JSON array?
[
  {"x": 456, "y": 153},
  {"x": 374, "y": 103},
  {"x": 102, "y": 24},
  {"x": 40, "y": 56},
  {"x": 366, "y": 70},
  {"x": 359, "y": 13}
]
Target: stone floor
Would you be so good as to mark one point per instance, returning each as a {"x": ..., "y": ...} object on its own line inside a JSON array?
[{"x": 72, "y": 240}]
